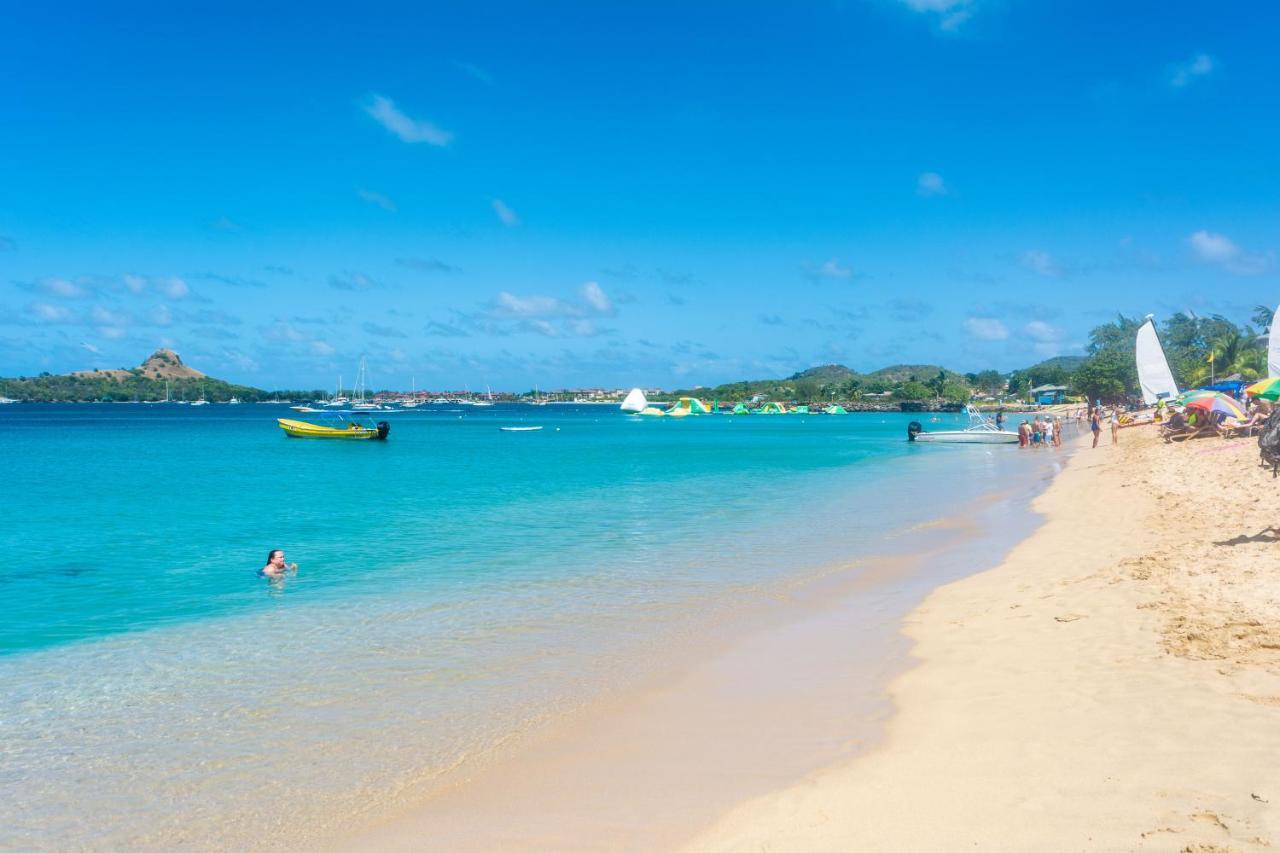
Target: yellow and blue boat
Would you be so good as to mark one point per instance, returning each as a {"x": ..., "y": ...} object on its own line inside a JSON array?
[{"x": 342, "y": 425}]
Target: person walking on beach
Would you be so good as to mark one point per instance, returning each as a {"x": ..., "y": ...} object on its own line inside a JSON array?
[
  {"x": 276, "y": 567},
  {"x": 1024, "y": 434},
  {"x": 1115, "y": 424},
  {"x": 1095, "y": 424}
]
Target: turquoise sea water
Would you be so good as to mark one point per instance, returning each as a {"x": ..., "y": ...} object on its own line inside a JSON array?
[{"x": 458, "y": 585}]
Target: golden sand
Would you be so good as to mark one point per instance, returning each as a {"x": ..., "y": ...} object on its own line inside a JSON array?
[{"x": 1113, "y": 685}]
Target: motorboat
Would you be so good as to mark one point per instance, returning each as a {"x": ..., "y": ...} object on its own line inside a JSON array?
[
  {"x": 981, "y": 430},
  {"x": 341, "y": 425}
]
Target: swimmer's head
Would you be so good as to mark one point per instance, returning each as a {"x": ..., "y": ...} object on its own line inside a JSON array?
[{"x": 271, "y": 555}]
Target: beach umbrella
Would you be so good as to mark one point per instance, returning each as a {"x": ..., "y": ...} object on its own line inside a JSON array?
[
  {"x": 1267, "y": 389},
  {"x": 1194, "y": 394},
  {"x": 1219, "y": 403}
]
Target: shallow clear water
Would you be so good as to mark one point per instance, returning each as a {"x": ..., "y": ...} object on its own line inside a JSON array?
[{"x": 458, "y": 584}]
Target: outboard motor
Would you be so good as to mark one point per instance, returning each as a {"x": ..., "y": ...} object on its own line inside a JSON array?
[
  {"x": 383, "y": 429},
  {"x": 913, "y": 429}
]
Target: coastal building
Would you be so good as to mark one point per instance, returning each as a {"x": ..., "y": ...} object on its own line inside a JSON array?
[{"x": 1047, "y": 395}]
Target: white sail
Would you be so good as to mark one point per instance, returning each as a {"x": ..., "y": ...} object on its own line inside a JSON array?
[
  {"x": 635, "y": 401},
  {"x": 1153, "y": 369},
  {"x": 1273, "y": 346}
]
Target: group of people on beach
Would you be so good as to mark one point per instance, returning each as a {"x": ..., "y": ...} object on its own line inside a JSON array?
[
  {"x": 1042, "y": 431},
  {"x": 1181, "y": 423}
]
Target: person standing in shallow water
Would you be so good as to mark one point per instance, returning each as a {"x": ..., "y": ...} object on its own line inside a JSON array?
[{"x": 276, "y": 567}]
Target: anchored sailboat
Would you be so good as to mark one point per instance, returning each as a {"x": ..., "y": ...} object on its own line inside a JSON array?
[{"x": 1154, "y": 375}]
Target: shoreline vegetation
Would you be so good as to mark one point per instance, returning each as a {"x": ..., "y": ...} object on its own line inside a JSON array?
[
  {"x": 1199, "y": 349},
  {"x": 1112, "y": 684}
]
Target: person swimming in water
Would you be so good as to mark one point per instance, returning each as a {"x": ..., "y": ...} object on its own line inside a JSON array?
[{"x": 276, "y": 567}]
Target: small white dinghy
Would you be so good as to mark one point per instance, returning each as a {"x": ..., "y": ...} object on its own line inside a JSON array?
[
  {"x": 980, "y": 431},
  {"x": 520, "y": 429}
]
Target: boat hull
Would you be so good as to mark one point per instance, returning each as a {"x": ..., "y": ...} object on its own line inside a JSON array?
[
  {"x": 967, "y": 437},
  {"x": 302, "y": 429}
]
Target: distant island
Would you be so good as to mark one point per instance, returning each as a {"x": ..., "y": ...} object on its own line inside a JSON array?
[{"x": 162, "y": 376}]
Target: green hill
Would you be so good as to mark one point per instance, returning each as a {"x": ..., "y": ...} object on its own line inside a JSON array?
[{"x": 142, "y": 383}]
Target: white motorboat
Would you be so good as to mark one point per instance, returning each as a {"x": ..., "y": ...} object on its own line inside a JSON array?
[{"x": 981, "y": 430}]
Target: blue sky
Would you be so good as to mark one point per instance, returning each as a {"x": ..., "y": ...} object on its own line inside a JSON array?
[{"x": 625, "y": 193}]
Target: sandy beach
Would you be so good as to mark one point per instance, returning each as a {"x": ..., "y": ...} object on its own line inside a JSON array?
[{"x": 1113, "y": 685}]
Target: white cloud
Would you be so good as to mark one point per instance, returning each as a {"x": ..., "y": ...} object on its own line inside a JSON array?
[
  {"x": 384, "y": 111},
  {"x": 1040, "y": 331},
  {"x": 322, "y": 348},
  {"x": 90, "y": 347},
  {"x": 112, "y": 332},
  {"x": 930, "y": 183},
  {"x": 533, "y": 306},
  {"x": 174, "y": 288},
  {"x": 1040, "y": 262},
  {"x": 50, "y": 313},
  {"x": 64, "y": 288},
  {"x": 162, "y": 316},
  {"x": 950, "y": 13},
  {"x": 135, "y": 283},
  {"x": 986, "y": 329},
  {"x": 829, "y": 269},
  {"x": 1220, "y": 250},
  {"x": 1200, "y": 65},
  {"x": 505, "y": 213},
  {"x": 379, "y": 199},
  {"x": 352, "y": 281},
  {"x": 475, "y": 71},
  {"x": 596, "y": 297}
]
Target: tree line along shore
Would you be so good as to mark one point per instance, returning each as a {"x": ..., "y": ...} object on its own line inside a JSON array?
[{"x": 1198, "y": 349}]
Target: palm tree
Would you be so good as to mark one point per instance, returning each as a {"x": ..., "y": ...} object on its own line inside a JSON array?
[
  {"x": 1262, "y": 316},
  {"x": 1237, "y": 351}
]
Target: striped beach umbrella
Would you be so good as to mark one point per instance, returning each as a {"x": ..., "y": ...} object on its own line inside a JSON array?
[
  {"x": 1267, "y": 389},
  {"x": 1219, "y": 403},
  {"x": 1194, "y": 394}
]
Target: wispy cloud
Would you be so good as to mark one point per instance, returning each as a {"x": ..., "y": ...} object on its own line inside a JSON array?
[
  {"x": 506, "y": 215},
  {"x": 223, "y": 223},
  {"x": 85, "y": 345},
  {"x": 1222, "y": 251},
  {"x": 1185, "y": 73},
  {"x": 352, "y": 281},
  {"x": 930, "y": 184},
  {"x": 427, "y": 265},
  {"x": 1040, "y": 331},
  {"x": 1040, "y": 262},
  {"x": 383, "y": 110},
  {"x": 377, "y": 199},
  {"x": 173, "y": 287},
  {"x": 986, "y": 329},
  {"x": 47, "y": 313},
  {"x": 475, "y": 72},
  {"x": 596, "y": 298},
  {"x": 232, "y": 280},
  {"x": 950, "y": 14},
  {"x": 906, "y": 310},
  {"x": 382, "y": 331},
  {"x": 830, "y": 269}
]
